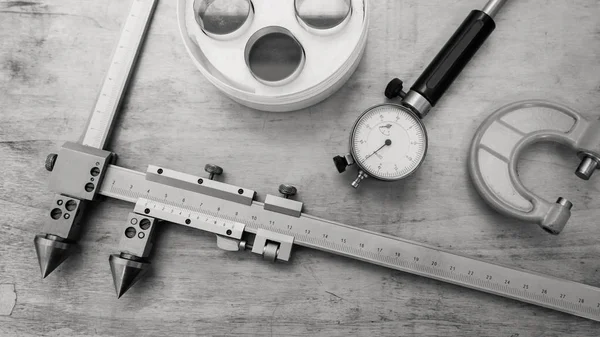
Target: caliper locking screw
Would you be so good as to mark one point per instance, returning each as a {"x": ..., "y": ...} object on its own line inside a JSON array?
[
  {"x": 50, "y": 161},
  {"x": 287, "y": 190},
  {"x": 213, "y": 170}
]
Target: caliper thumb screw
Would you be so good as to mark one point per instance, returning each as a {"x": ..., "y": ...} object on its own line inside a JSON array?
[
  {"x": 50, "y": 161},
  {"x": 287, "y": 190},
  {"x": 213, "y": 170},
  {"x": 588, "y": 166}
]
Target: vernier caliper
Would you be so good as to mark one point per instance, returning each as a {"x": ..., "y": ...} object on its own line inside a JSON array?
[{"x": 82, "y": 172}]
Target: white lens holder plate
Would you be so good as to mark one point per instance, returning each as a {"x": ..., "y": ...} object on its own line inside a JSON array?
[{"x": 330, "y": 56}]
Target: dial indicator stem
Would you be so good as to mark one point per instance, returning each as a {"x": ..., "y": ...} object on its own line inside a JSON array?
[{"x": 493, "y": 7}]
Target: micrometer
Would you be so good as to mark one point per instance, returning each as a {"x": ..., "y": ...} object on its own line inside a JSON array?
[
  {"x": 83, "y": 172},
  {"x": 500, "y": 141}
]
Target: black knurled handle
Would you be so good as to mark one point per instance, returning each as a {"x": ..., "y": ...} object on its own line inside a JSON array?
[{"x": 455, "y": 55}]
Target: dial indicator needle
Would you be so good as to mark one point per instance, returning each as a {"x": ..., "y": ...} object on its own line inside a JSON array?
[{"x": 387, "y": 143}]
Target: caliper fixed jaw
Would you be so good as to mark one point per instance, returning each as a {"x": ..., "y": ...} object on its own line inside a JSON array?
[
  {"x": 557, "y": 217},
  {"x": 135, "y": 246},
  {"x": 77, "y": 172}
]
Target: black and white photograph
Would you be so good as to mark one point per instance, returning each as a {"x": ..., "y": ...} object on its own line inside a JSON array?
[{"x": 300, "y": 168}]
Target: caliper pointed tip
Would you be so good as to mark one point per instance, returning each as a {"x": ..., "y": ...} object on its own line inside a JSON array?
[
  {"x": 51, "y": 253},
  {"x": 46, "y": 272},
  {"x": 126, "y": 273}
]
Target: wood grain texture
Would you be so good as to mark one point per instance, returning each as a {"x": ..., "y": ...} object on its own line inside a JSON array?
[{"x": 53, "y": 56}]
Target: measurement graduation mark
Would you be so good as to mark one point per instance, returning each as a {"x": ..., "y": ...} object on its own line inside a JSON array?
[{"x": 119, "y": 72}]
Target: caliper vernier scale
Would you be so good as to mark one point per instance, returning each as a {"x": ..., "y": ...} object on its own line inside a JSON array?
[{"x": 270, "y": 228}]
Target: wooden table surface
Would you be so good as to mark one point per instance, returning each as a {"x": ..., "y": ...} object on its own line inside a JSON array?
[{"x": 53, "y": 56}]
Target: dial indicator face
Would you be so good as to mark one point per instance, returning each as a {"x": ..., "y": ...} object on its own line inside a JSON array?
[{"x": 389, "y": 142}]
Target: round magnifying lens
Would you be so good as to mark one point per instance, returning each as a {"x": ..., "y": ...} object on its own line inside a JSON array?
[
  {"x": 323, "y": 15},
  {"x": 274, "y": 56},
  {"x": 222, "y": 18}
]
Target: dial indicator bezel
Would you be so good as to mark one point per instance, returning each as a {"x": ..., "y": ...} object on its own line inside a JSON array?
[{"x": 359, "y": 162}]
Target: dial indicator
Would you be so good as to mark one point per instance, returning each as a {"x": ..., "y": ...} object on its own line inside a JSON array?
[{"x": 388, "y": 142}]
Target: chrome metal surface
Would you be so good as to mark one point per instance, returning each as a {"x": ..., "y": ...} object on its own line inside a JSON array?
[
  {"x": 270, "y": 251},
  {"x": 137, "y": 235},
  {"x": 283, "y": 206},
  {"x": 126, "y": 272},
  {"x": 79, "y": 170},
  {"x": 361, "y": 176},
  {"x": 229, "y": 244},
  {"x": 417, "y": 103},
  {"x": 61, "y": 220},
  {"x": 51, "y": 252},
  {"x": 272, "y": 245},
  {"x": 493, "y": 7},
  {"x": 349, "y": 159},
  {"x": 200, "y": 185},
  {"x": 185, "y": 212},
  {"x": 119, "y": 73}
]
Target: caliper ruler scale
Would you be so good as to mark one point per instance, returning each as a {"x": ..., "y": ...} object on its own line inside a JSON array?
[
  {"x": 121, "y": 68},
  {"x": 82, "y": 172},
  {"x": 231, "y": 221}
]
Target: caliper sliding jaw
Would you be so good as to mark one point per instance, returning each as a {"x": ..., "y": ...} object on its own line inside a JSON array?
[{"x": 135, "y": 247}]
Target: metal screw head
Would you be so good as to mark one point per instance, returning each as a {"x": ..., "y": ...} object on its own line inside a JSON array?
[
  {"x": 213, "y": 170},
  {"x": 287, "y": 190},
  {"x": 50, "y": 161}
]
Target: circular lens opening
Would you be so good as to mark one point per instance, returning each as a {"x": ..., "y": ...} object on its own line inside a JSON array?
[
  {"x": 319, "y": 14},
  {"x": 221, "y": 17},
  {"x": 273, "y": 55}
]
